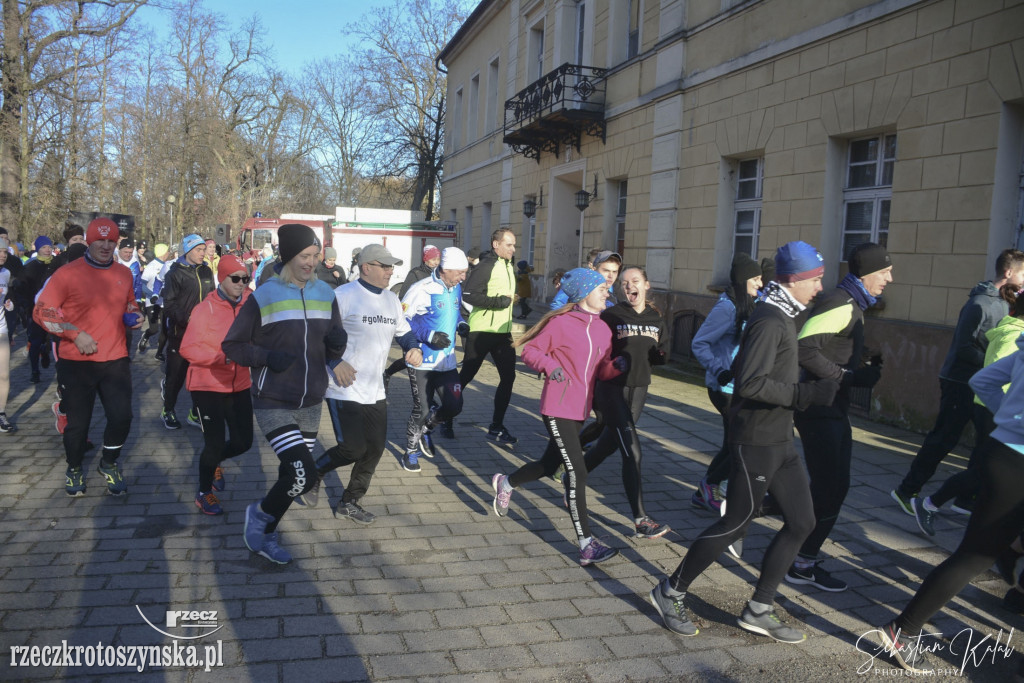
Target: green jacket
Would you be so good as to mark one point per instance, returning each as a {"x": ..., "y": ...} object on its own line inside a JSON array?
[
  {"x": 1002, "y": 342},
  {"x": 490, "y": 290}
]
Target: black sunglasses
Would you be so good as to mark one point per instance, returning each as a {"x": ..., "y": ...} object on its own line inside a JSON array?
[{"x": 239, "y": 278}]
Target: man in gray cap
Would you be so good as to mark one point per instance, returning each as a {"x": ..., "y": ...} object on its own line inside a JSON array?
[{"x": 372, "y": 316}]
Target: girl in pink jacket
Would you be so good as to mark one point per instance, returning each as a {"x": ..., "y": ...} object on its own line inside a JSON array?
[{"x": 572, "y": 347}]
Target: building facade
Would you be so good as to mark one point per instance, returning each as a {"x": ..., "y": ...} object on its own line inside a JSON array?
[{"x": 695, "y": 128}]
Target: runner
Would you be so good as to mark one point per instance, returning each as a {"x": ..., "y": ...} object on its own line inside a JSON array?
[
  {"x": 372, "y": 315},
  {"x": 638, "y": 334},
  {"x": 292, "y": 313},
  {"x": 5, "y": 341},
  {"x": 763, "y": 457},
  {"x": 556, "y": 346},
  {"x": 93, "y": 358},
  {"x": 715, "y": 346},
  {"x": 432, "y": 308},
  {"x": 219, "y": 387}
]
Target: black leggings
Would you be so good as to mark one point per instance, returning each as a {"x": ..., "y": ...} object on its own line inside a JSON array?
[
  {"x": 424, "y": 383},
  {"x": 218, "y": 410},
  {"x": 622, "y": 408},
  {"x": 499, "y": 345},
  {"x": 756, "y": 469},
  {"x": 37, "y": 345},
  {"x": 177, "y": 369},
  {"x": 997, "y": 519},
  {"x": 967, "y": 483},
  {"x": 80, "y": 382},
  {"x": 563, "y": 449},
  {"x": 295, "y": 475},
  {"x": 719, "y": 467},
  {"x": 828, "y": 448}
]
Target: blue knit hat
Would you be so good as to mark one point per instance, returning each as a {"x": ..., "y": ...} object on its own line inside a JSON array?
[
  {"x": 579, "y": 282},
  {"x": 191, "y": 242},
  {"x": 798, "y": 261},
  {"x": 42, "y": 241}
]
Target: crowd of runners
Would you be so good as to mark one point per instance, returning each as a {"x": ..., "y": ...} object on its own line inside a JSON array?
[{"x": 269, "y": 345}]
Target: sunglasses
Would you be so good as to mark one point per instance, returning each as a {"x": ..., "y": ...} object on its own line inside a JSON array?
[{"x": 240, "y": 278}]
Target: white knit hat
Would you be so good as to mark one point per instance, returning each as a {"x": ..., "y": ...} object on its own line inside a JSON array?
[{"x": 453, "y": 258}]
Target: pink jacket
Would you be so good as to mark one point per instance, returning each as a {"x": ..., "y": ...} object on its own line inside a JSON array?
[
  {"x": 580, "y": 343},
  {"x": 209, "y": 369}
]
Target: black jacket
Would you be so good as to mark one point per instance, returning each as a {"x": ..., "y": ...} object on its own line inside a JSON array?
[
  {"x": 420, "y": 272},
  {"x": 327, "y": 274},
  {"x": 832, "y": 342},
  {"x": 184, "y": 287}
]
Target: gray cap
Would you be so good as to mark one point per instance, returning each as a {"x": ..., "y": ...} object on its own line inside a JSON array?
[
  {"x": 604, "y": 256},
  {"x": 329, "y": 253},
  {"x": 378, "y": 253}
]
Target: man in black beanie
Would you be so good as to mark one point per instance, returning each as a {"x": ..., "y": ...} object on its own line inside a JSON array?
[{"x": 831, "y": 346}]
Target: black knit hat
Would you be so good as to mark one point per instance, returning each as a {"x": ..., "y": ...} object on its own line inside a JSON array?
[
  {"x": 743, "y": 268},
  {"x": 293, "y": 238},
  {"x": 867, "y": 258}
]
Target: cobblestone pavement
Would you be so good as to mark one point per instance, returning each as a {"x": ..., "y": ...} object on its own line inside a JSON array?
[{"x": 439, "y": 588}]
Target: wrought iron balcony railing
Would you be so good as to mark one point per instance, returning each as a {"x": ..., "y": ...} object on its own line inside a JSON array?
[{"x": 556, "y": 110}]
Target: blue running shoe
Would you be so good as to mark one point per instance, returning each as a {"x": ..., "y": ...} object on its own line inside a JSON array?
[
  {"x": 255, "y": 528},
  {"x": 74, "y": 482},
  {"x": 410, "y": 461},
  {"x": 115, "y": 482},
  {"x": 208, "y": 504},
  {"x": 272, "y": 551},
  {"x": 427, "y": 445}
]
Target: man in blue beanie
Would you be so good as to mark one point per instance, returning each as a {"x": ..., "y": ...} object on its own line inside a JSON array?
[{"x": 767, "y": 390}]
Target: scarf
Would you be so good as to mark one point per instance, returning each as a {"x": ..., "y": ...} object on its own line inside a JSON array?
[
  {"x": 776, "y": 295},
  {"x": 852, "y": 285}
]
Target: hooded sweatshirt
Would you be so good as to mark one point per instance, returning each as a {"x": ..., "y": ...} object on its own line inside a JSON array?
[
  {"x": 580, "y": 344},
  {"x": 983, "y": 310},
  {"x": 1009, "y": 407}
]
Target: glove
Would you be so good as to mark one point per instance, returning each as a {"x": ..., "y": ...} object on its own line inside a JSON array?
[
  {"x": 656, "y": 356},
  {"x": 463, "y": 329},
  {"x": 557, "y": 375},
  {"x": 153, "y": 299},
  {"x": 620, "y": 363},
  {"x": 504, "y": 301},
  {"x": 336, "y": 340},
  {"x": 820, "y": 392},
  {"x": 279, "y": 361},
  {"x": 866, "y": 376},
  {"x": 724, "y": 378},
  {"x": 439, "y": 341}
]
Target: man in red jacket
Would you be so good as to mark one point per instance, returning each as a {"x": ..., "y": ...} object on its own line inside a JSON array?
[{"x": 88, "y": 304}]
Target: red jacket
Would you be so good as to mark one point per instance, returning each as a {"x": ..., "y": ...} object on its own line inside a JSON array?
[
  {"x": 92, "y": 298},
  {"x": 210, "y": 369},
  {"x": 580, "y": 343}
]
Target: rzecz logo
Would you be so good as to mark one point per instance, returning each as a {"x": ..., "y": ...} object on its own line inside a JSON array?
[{"x": 187, "y": 621}]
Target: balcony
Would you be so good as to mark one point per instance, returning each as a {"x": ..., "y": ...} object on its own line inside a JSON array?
[{"x": 556, "y": 110}]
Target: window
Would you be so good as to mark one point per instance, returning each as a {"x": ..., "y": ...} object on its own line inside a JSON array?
[
  {"x": 868, "y": 193},
  {"x": 581, "y": 15},
  {"x": 457, "y": 120},
  {"x": 633, "y": 33},
  {"x": 468, "y": 225},
  {"x": 474, "y": 108},
  {"x": 495, "y": 113},
  {"x": 747, "y": 206},
  {"x": 620, "y": 219},
  {"x": 485, "y": 227},
  {"x": 535, "y": 67},
  {"x": 532, "y": 240}
]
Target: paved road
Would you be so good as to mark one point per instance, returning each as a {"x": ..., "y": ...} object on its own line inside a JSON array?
[{"x": 439, "y": 588}]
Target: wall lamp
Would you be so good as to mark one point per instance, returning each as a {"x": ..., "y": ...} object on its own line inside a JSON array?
[
  {"x": 530, "y": 206},
  {"x": 583, "y": 197}
]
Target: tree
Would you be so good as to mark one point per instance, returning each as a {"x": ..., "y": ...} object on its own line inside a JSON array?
[
  {"x": 34, "y": 30},
  {"x": 407, "y": 91}
]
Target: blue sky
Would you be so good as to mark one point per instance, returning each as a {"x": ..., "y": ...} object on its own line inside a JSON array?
[{"x": 299, "y": 30}]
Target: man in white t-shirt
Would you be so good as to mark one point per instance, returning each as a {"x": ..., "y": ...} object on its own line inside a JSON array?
[{"x": 372, "y": 316}]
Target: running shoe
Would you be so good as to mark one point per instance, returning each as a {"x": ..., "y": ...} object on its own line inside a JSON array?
[
  {"x": 904, "y": 650},
  {"x": 962, "y": 506},
  {"x": 925, "y": 517},
  {"x": 448, "y": 430},
  {"x": 310, "y": 497},
  {"x": 706, "y": 491},
  {"x": 256, "y": 521},
  {"x": 208, "y": 504},
  {"x": 427, "y": 445},
  {"x": 411, "y": 461},
  {"x": 143, "y": 344},
  {"x": 736, "y": 547},
  {"x": 903, "y": 501},
  {"x": 353, "y": 511},
  {"x": 595, "y": 552},
  {"x": 159, "y": 356},
  {"x": 648, "y": 528},
  {"x": 35, "y": 379},
  {"x": 74, "y": 482},
  {"x": 698, "y": 501},
  {"x": 170, "y": 419},
  {"x": 672, "y": 611},
  {"x": 769, "y": 624},
  {"x": 815, "y": 576},
  {"x": 60, "y": 419},
  {"x": 501, "y": 496},
  {"x": 5, "y": 425},
  {"x": 498, "y": 434},
  {"x": 219, "y": 483},
  {"x": 116, "y": 485},
  {"x": 193, "y": 418},
  {"x": 272, "y": 551}
]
